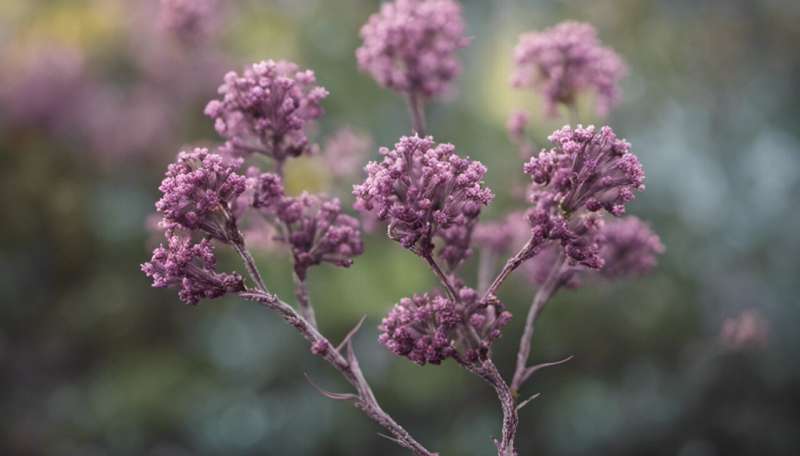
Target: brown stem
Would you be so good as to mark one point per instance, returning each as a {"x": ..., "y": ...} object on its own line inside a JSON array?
[
  {"x": 321, "y": 346},
  {"x": 488, "y": 372},
  {"x": 512, "y": 264},
  {"x": 303, "y": 300},
  {"x": 451, "y": 292},
  {"x": 416, "y": 106},
  {"x": 522, "y": 372},
  {"x": 349, "y": 368}
]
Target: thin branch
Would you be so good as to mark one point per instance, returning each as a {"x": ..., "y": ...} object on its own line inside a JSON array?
[
  {"x": 303, "y": 299},
  {"x": 524, "y": 254},
  {"x": 416, "y": 105},
  {"x": 544, "y": 293},
  {"x": 488, "y": 372},
  {"x": 451, "y": 291}
]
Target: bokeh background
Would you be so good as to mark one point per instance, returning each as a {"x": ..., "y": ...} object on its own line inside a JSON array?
[{"x": 95, "y": 100}]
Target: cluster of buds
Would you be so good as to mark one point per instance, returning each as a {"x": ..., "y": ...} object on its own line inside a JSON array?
[
  {"x": 267, "y": 109},
  {"x": 430, "y": 328},
  {"x": 565, "y": 60},
  {"x": 425, "y": 190},
  {"x": 314, "y": 226},
  {"x": 410, "y": 46},
  {"x": 586, "y": 171}
]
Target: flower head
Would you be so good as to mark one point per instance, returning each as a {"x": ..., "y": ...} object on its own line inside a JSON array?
[
  {"x": 630, "y": 248},
  {"x": 566, "y": 59},
  {"x": 267, "y": 109},
  {"x": 316, "y": 229},
  {"x": 191, "y": 267},
  {"x": 345, "y": 152},
  {"x": 410, "y": 45},
  {"x": 749, "y": 329},
  {"x": 430, "y": 328},
  {"x": 423, "y": 189},
  {"x": 198, "y": 191},
  {"x": 502, "y": 236},
  {"x": 189, "y": 21},
  {"x": 586, "y": 171}
]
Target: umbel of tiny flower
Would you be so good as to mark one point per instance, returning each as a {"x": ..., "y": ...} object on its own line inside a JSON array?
[
  {"x": 189, "y": 21},
  {"x": 430, "y": 328},
  {"x": 198, "y": 190},
  {"x": 191, "y": 267},
  {"x": 630, "y": 248},
  {"x": 315, "y": 227},
  {"x": 564, "y": 60},
  {"x": 423, "y": 189},
  {"x": 410, "y": 45},
  {"x": 586, "y": 171},
  {"x": 267, "y": 109}
]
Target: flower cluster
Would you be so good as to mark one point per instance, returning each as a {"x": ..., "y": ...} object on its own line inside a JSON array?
[
  {"x": 430, "y": 328},
  {"x": 586, "y": 171},
  {"x": 749, "y": 329},
  {"x": 315, "y": 227},
  {"x": 190, "y": 267},
  {"x": 410, "y": 45},
  {"x": 345, "y": 152},
  {"x": 189, "y": 21},
  {"x": 424, "y": 189},
  {"x": 630, "y": 248},
  {"x": 502, "y": 236},
  {"x": 198, "y": 191},
  {"x": 566, "y": 59},
  {"x": 267, "y": 109}
]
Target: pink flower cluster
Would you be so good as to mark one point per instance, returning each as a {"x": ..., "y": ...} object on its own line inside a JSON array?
[
  {"x": 410, "y": 45},
  {"x": 268, "y": 109},
  {"x": 430, "y": 328},
  {"x": 424, "y": 189},
  {"x": 564, "y": 60},
  {"x": 587, "y": 170}
]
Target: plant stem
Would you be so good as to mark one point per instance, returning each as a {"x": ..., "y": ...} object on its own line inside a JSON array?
[
  {"x": 513, "y": 263},
  {"x": 303, "y": 300},
  {"x": 522, "y": 372},
  {"x": 488, "y": 372},
  {"x": 441, "y": 276},
  {"x": 348, "y": 366},
  {"x": 416, "y": 106}
]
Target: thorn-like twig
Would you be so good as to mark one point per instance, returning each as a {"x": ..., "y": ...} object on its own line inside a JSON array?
[
  {"x": 331, "y": 395},
  {"x": 350, "y": 334},
  {"x": 527, "y": 401},
  {"x": 533, "y": 369}
]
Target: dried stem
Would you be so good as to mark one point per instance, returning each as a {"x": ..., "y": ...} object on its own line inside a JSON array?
[
  {"x": 347, "y": 366},
  {"x": 488, "y": 372},
  {"x": 451, "y": 292},
  {"x": 486, "y": 262},
  {"x": 303, "y": 299},
  {"x": 416, "y": 105},
  {"x": 522, "y": 372},
  {"x": 512, "y": 264}
]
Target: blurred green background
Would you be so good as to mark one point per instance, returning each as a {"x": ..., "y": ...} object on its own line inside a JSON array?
[{"x": 93, "y": 361}]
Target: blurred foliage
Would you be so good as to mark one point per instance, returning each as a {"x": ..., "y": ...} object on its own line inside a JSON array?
[{"x": 93, "y": 361}]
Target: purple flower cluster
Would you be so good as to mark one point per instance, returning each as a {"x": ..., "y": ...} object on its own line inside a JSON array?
[
  {"x": 424, "y": 189},
  {"x": 314, "y": 226},
  {"x": 189, "y": 21},
  {"x": 431, "y": 328},
  {"x": 192, "y": 268},
  {"x": 630, "y": 248},
  {"x": 345, "y": 152},
  {"x": 586, "y": 171},
  {"x": 268, "y": 109},
  {"x": 566, "y": 59},
  {"x": 502, "y": 236},
  {"x": 410, "y": 45},
  {"x": 198, "y": 191}
]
